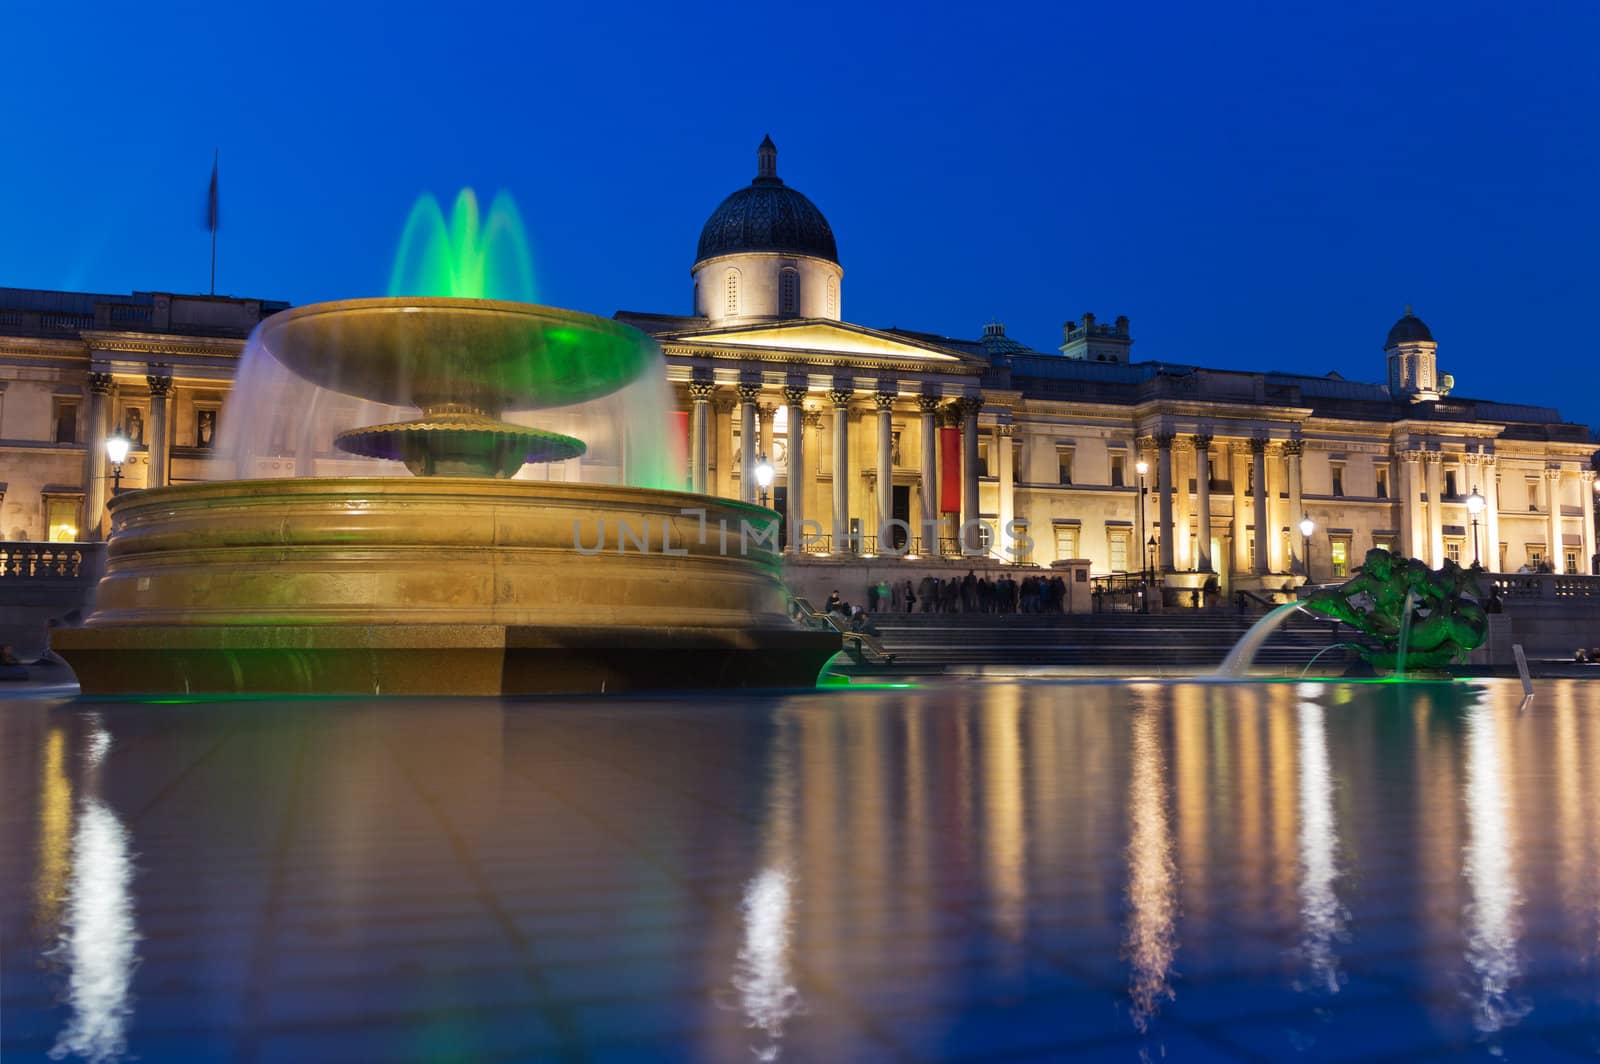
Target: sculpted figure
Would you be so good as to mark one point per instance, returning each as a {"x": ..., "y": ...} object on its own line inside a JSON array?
[{"x": 1446, "y": 618}]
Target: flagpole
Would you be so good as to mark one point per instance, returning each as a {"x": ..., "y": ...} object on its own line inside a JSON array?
[{"x": 215, "y": 158}]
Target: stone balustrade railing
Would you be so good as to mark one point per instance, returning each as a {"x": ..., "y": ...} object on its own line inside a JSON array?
[
  {"x": 50, "y": 561},
  {"x": 1552, "y": 586}
]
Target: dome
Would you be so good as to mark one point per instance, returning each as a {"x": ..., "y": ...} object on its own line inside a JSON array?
[
  {"x": 767, "y": 215},
  {"x": 1408, "y": 329}
]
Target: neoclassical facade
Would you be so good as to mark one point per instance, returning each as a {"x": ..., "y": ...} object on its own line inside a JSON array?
[{"x": 897, "y": 447}]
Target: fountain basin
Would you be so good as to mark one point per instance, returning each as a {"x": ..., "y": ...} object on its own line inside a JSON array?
[{"x": 437, "y": 585}]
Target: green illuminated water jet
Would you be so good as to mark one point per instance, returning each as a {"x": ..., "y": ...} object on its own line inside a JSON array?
[{"x": 463, "y": 258}]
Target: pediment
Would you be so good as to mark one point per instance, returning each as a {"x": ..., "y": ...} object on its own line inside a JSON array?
[{"x": 814, "y": 336}]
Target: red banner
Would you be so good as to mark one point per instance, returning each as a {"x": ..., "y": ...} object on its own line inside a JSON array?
[
  {"x": 680, "y": 445},
  {"x": 950, "y": 470}
]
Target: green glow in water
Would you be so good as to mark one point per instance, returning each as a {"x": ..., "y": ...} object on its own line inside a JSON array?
[{"x": 466, "y": 257}]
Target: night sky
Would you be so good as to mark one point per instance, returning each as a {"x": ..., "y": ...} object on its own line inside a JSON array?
[{"x": 1258, "y": 186}]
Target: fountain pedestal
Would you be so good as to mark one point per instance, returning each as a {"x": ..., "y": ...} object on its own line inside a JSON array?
[{"x": 438, "y": 586}]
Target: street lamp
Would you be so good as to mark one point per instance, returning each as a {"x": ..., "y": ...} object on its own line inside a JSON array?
[
  {"x": 1150, "y": 562},
  {"x": 117, "y": 445},
  {"x": 763, "y": 476},
  {"x": 1475, "y": 507},
  {"x": 1307, "y": 526},
  {"x": 1142, "y": 467}
]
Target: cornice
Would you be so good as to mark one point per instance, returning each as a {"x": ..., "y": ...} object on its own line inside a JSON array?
[
  {"x": 148, "y": 344},
  {"x": 865, "y": 364}
]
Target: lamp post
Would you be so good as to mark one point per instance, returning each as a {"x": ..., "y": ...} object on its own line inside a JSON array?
[
  {"x": 1475, "y": 507},
  {"x": 1142, "y": 467},
  {"x": 1307, "y": 526},
  {"x": 117, "y": 445},
  {"x": 1150, "y": 571},
  {"x": 763, "y": 476}
]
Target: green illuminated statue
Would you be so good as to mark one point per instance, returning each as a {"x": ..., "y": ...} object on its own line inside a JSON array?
[{"x": 1421, "y": 618}]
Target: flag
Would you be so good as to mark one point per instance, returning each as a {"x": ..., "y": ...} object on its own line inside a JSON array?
[
  {"x": 211, "y": 204},
  {"x": 950, "y": 471}
]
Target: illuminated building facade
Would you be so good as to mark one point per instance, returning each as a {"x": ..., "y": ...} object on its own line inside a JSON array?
[{"x": 953, "y": 448}]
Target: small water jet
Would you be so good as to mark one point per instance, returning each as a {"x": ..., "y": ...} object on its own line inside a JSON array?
[{"x": 1416, "y": 618}]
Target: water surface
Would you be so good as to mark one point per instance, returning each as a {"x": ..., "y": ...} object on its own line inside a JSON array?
[{"x": 987, "y": 872}]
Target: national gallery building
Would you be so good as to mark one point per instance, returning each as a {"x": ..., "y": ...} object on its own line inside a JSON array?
[{"x": 901, "y": 449}]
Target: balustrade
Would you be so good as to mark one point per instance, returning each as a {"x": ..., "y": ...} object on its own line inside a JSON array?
[{"x": 46, "y": 561}]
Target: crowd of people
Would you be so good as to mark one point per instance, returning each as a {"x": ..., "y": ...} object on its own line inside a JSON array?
[{"x": 969, "y": 594}]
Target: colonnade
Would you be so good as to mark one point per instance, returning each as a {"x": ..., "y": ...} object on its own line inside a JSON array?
[
  {"x": 839, "y": 404},
  {"x": 157, "y": 436}
]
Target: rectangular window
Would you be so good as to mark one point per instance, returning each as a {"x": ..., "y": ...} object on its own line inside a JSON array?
[
  {"x": 1064, "y": 465},
  {"x": 1250, "y": 550},
  {"x": 1383, "y": 543},
  {"x": 1452, "y": 550},
  {"x": 1503, "y": 548},
  {"x": 1066, "y": 542},
  {"x": 1536, "y": 555},
  {"x": 1383, "y": 482},
  {"x": 1450, "y": 491},
  {"x": 1119, "y": 552},
  {"x": 61, "y": 518},
  {"x": 1339, "y": 553},
  {"x": 1338, "y": 479},
  {"x": 66, "y": 420},
  {"x": 1533, "y": 494},
  {"x": 983, "y": 458},
  {"x": 1117, "y": 471},
  {"x": 1572, "y": 562}
]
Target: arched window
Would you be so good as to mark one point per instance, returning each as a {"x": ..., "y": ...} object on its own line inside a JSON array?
[
  {"x": 789, "y": 292},
  {"x": 833, "y": 297},
  {"x": 732, "y": 305}
]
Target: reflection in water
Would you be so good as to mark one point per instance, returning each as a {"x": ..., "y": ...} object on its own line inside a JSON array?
[
  {"x": 1152, "y": 895},
  {"x": 762, "y": 974},
  {"x": 55, "y": 833},
  {"x": 1322, "y": 917},
  {"x": 1491, "y": 915},
  {"x": 98, "y": 936}
]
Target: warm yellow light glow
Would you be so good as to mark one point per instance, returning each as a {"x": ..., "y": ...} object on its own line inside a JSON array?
[
  {"x": 63, "y": 533},
  {"x": 1141, "y": 467}
]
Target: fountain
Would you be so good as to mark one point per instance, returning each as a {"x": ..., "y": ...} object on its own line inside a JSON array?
[
  {"x": 467, "y": 577},
  {"x": 1416, "y": 618}
]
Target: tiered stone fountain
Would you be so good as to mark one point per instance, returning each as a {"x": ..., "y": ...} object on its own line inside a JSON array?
[{"x": 457, "y": 580}]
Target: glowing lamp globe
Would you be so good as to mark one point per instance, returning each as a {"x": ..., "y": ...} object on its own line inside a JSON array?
[
  {"x": 1307, "y": 526},
  {"x": 117, "y": 447},
  {"x": 764, "y": 473},
  {"x": 1475, "y": 504},
  {"x": 1142, "y": 467}
]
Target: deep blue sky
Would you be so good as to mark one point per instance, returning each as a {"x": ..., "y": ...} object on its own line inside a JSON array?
[{"x": 1255, "y": 185}]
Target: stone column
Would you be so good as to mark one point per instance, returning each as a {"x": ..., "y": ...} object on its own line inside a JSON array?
[
  {"x": 1239, "y": 457},
  {"x": 885, "y": 401},
  {"x": 840, "y": 394},
  {"x": 720, "y": 464},
  {"x": 1258, "y": 454},
  {"x": 1164, "y": 500},
  {"x": 749, "y": 392},
  {"x": 160, "y": 390},
  {"x": 1552, "y": 490},
  {"x": 1586, "y": 487},
  {"x": 700, "y": 393},
  {"x": 1433, "y": 465},
  {"x": 928, "y": 407},
  {"x": 969, "y": 406},
  {"x": 1292, "y": 449},
  {"x": 1180, "y": 504},
  {"x": 99, "y": 416},
  {"x": 1410, "y": 543},
  {"x": 1491, "y": 513},
  {"x": 1002, "y": 445},
  {"x": 1473, "y": 476},
  {"x": 795, "y": 478},
  {"x": 1202, "y": 488}
]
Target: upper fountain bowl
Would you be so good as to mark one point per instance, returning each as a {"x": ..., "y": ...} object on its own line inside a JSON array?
[{"x": 473, "y": 354}]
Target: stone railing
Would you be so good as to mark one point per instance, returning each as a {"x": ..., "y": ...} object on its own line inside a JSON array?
[
  {"x": 50, "y": 561},
  {"x": 1551, "y": 586}
]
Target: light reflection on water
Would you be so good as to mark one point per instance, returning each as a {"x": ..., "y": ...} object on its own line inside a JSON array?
[
  {"x": 817, "y": 870},
  {"x": 98, "y": 935},
  {"x": 1322, "y": 917}
]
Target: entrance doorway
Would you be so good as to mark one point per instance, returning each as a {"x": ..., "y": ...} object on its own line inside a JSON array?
[{"x": 900, "y": 505}]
